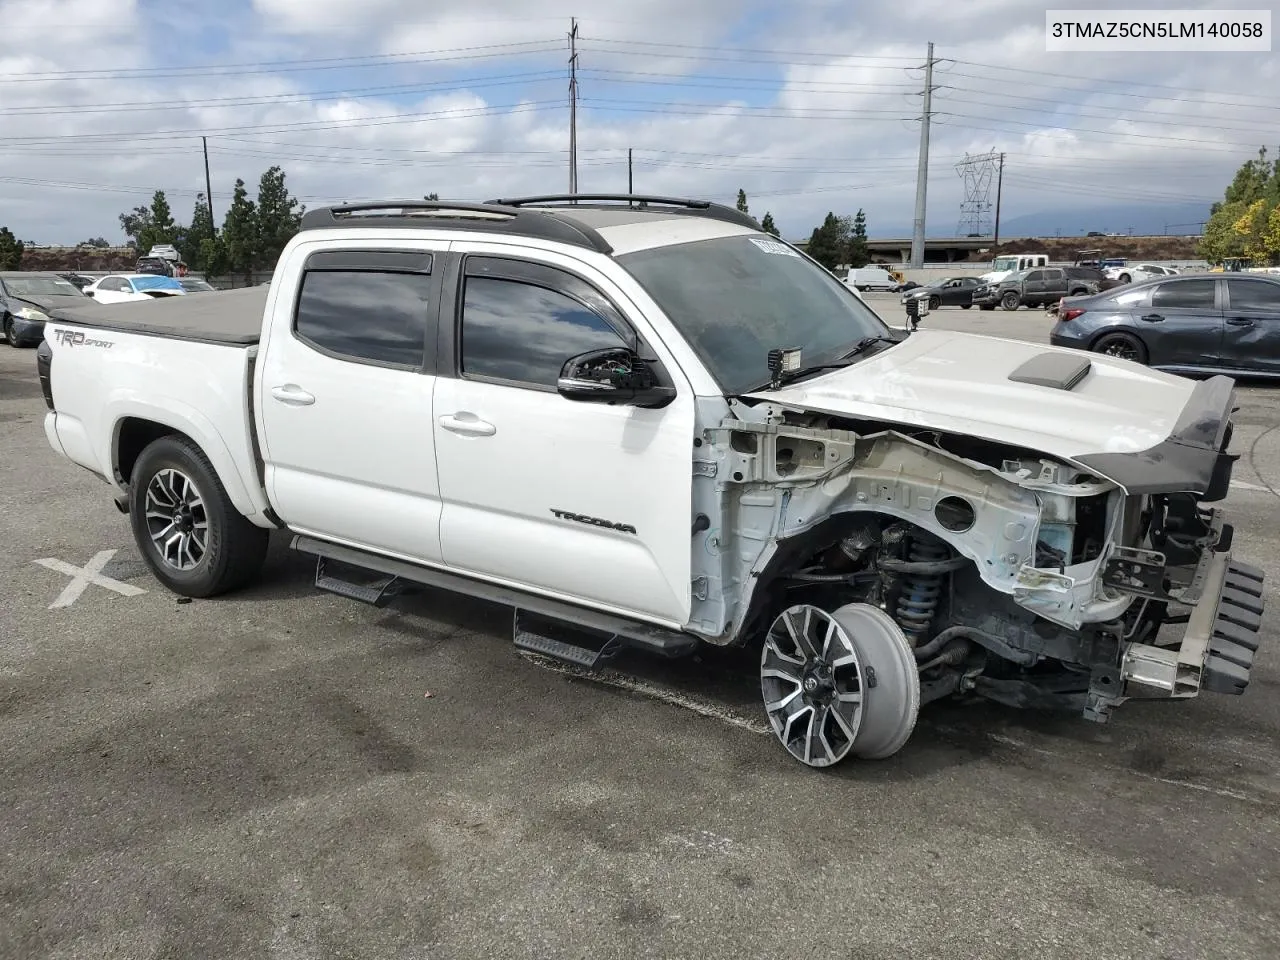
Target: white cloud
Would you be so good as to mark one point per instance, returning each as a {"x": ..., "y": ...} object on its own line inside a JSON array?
[{"x": 823, "y": 120}]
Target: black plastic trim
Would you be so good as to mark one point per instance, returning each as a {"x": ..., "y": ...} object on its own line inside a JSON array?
[
  {"x": 638, "y": 201},
  {"x": 446, "y": 215},
  {"x": 371, "y": 261},
  {"x": 1190, "y": 460}
]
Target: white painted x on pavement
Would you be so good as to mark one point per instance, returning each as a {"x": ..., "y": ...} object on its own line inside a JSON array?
[{"x": 91, "y": 572}]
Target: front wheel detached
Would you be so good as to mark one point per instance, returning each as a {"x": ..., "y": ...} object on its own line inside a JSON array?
[{"x": 839, "y": 684}]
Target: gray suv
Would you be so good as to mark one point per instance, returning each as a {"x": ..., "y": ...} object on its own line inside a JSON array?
[{"x": 1032, "y": 288}]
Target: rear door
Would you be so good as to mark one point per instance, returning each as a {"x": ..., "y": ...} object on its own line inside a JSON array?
[
  {"x": 343, "y": 394},
  {"x": 1251, "y": 331},
  {"x": 1183, "y": 323},
  {"x": 585, "y": 501}
]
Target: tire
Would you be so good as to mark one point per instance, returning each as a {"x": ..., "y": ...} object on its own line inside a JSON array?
[
  {"x": 986, "y": 306},
  {"x": 1123, "y": 345},
  {"x": 965, "y": 306},
  {"x": 1010, "y": 301},
  {"x": 233, "y": 549},
  {"x": 935, "y": 303},
  {"x": 1078, "y": 292},
  {"x": 10, "y": 335},
  {"x": 1125, "y": 278}
]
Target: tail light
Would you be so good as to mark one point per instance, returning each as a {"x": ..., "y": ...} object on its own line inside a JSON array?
[
  {"x": 44, "y": 367},
  {"x": 1070, "y": 313}
]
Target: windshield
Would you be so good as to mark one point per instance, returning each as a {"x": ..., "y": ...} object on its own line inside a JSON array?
[
  {"x": 736, "y": 298},
  {"x": 199, "y": 286},
  {"x": 1004, "y": 263},
  {"x": 41, "y": 287},
  {"x": 156, "y": 283}
]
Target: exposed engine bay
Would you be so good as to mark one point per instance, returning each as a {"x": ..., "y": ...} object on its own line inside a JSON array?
[{"x": 883, "y": 567}]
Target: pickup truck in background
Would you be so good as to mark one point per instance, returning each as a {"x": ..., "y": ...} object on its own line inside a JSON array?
[
  {"x": 1031, "y": 288},
  {"x": 642, "y": 422}
]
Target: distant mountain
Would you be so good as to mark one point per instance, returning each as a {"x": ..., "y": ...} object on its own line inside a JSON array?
[{"x": 1146, "y": 219}]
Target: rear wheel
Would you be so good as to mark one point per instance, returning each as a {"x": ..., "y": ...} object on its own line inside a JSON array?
[
  {"x": 189, "y": 532},
  {"x": 1125, "y": 346},
  {"x": 965, "y": 306},
  {"x": 1010, "y": 301},
  {"x": 1125, "y": 278}
]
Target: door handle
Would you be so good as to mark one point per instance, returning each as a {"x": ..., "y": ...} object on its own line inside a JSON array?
[
  {"x": 293, "y": 394},
  {"x": 1240, "y": 321},
  {"x": 1153, "y": 318},
  {"x": 468, "y": 424}
]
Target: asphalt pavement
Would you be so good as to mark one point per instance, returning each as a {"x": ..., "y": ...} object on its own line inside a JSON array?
[{"x": 287, "y": 774}]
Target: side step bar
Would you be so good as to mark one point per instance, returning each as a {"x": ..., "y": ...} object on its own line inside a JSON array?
[{"x": 535, "y": 617}]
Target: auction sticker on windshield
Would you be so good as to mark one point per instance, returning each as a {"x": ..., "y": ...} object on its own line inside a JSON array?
[{"x": 773, "y": 246}]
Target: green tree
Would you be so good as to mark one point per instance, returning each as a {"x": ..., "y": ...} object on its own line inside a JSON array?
[
  {"x": 742, "y": 200},
  {"x": 190, "y": 240},
  {"x": 279, "y": 217},
  {"x": 163, "y": 226},
  {"x": 97, "y": 242},
  {"x": 768, "y": 226},
  {"x": 240, "y": 234},
  {"x": 432, "y": 196},
  {"x": 10, "y": 250},
  {"x": 212, "y": 257},
  {"x": 1239, "y": 224},
  {"x": 858, "y": 255},
  {"x": 136, "y": 224},
  {"x": 825, "y": 243}
]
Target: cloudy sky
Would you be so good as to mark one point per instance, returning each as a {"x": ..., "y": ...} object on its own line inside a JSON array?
[{"x": 809, "y": 106}]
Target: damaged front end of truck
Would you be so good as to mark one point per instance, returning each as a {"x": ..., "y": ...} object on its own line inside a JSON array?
[{"x": 883, "y": 565}]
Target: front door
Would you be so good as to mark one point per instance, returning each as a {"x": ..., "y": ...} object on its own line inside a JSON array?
[
  {"x": 585, "y": 501},
  {"x": 343, "y": 395},
  {"x": 1185, "y": 322},
  {"x": 1251, "y": 331}
]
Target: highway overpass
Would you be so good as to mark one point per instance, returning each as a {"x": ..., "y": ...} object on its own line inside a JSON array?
[{"x": 936, "y": 249}]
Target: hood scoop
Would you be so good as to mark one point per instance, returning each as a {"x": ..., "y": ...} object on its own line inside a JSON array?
[{"x": 1060, "y": 371}]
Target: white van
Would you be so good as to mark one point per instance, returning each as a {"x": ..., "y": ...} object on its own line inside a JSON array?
[
  {"x": 870, "y": 278},
  {"x": 1002, "y": 266}
]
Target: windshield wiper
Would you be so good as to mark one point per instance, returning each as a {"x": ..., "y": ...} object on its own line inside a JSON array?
[{"x": 865, "y": 343}]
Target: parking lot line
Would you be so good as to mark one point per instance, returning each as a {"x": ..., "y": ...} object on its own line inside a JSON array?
[{"x": 91, "y": 572}]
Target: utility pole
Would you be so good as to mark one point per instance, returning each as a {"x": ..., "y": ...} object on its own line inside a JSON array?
[
  {"x": 573, "y": 105},
  {"x": 922, "y": 173},
  {"x": 999, "y": 187},
  {"x": 208, "y": 188},
  {"x": 630, "y": 180}
]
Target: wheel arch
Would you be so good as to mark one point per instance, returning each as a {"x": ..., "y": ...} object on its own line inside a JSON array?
[
  {"x": 1108, "y": 331},
  {"x": 135, "y": 427}
]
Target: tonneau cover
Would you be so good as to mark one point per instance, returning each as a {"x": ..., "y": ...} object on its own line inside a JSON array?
[{"x": 225, "y": 316}]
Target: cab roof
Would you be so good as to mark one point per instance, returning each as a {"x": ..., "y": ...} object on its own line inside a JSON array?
[{"x": 606, "y": 223}]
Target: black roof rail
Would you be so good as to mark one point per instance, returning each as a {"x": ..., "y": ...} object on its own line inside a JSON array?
[
  {"x": 703, "y": 208},
  {"x": 455, "y": 215}
]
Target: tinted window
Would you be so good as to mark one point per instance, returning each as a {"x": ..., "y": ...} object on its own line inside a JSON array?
[
  {"x": 736, "y": 298},
  {"x": 1034, "y": 276},
  {"x": 365, "y": 315},
  {"x": 1053, "y": 274},
  {"x": 514, "y": 330},
  {"x": 1253, "y": 295},
  {"x": 1184, "y": 293}
]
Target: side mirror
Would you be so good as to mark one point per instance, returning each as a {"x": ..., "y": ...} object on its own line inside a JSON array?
[
  {"x": 614, "y": 375},
  {"x": 87, "y": 293}
]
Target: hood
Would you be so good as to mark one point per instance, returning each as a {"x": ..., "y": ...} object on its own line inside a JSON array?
[
  {"x": 47, "y": 303},
  {"x": 959, "y": 383}
]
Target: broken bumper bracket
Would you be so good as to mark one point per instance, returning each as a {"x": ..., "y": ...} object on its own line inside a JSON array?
[{"x": 1218, "y": 649}]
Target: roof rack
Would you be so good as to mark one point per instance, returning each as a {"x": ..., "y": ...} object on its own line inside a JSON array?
[
  {"x": 697, "y": 208},
  {"x": 455, "y": 215}
]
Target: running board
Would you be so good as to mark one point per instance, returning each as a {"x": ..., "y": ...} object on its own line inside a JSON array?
[
  {"x": 573, "y": 645},
  {"x": 621, "y": 631},
  {"x": 377, "y": 593}
]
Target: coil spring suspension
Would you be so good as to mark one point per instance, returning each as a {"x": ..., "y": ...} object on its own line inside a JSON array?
[{"x": 920, "y": 592}]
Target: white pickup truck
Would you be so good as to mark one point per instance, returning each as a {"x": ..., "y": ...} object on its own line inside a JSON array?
[{"x": 643, "y": 422}]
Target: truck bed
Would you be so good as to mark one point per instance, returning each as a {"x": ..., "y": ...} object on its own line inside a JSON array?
[{"x": 227, "y": 316}]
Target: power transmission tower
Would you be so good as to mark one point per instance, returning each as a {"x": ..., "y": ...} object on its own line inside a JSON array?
[
  {"x": 977, "y": 172},
  {"x": 573, "y": 105},
  {"x": 922, "y": 172}
]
